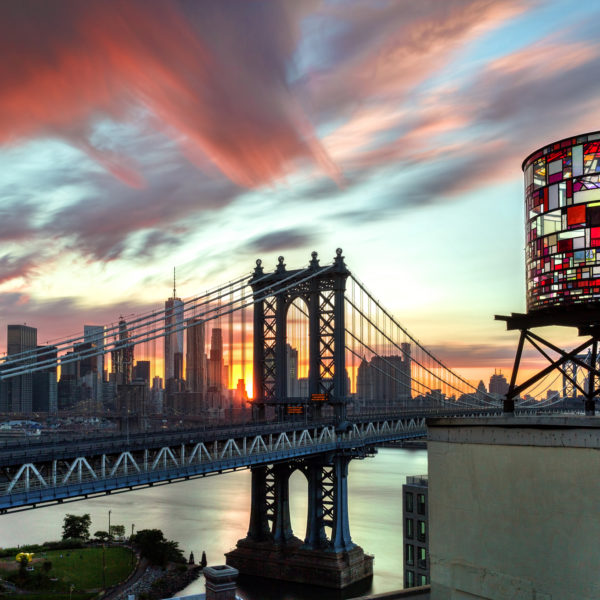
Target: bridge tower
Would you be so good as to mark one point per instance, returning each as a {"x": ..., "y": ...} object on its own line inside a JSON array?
[
  {"x": 270, "y": 548},
  {"x": 322, "y": 289}
]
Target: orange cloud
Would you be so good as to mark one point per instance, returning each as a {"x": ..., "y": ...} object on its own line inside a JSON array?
[{"x": 214, "y": 73}]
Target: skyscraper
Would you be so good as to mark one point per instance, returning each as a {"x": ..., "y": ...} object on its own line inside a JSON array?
[
  {"x": 21, "y": 339},
  {"x": 122, "y": 356},
  {"x": 195, "y": 373},
  {"x": 45, "y": 388},
  {"x": 215, "y": 361},
  {"x": 292, "y": 372},
  {"x": 94, "y": 335},
  {"x": 173, "y": 338},
  {"x": 384, "y": 381}
]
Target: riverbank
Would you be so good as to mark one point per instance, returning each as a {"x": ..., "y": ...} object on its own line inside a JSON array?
[{"x": 155, "y": 583}]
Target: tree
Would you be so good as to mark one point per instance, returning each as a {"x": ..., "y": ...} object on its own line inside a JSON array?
[
  {"x": 158, "y": 550},
  {"x": 102, "y": 536},
  {"x": 191, "y": 560},
  {"x": 75, "y": 526},
  {"x": 203, "y": 561},
  {"x": 117, "y": 531}
]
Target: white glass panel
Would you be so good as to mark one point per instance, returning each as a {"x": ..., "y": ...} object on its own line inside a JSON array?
[
  {"x": 577, "y": 160},
  {"x": 586, "y": 196},
  {"x": 553, "y": 197},
  {"x": 555, "y": 167}
]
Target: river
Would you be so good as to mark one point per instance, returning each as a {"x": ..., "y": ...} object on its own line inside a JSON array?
[{"x": 212, "y": 513}]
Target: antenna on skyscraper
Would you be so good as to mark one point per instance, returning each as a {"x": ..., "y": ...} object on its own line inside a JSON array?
[{"x": 173, "y": 282}]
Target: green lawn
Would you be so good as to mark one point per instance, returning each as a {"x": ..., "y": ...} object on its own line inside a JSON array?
[{"x": 82, "y": 567}]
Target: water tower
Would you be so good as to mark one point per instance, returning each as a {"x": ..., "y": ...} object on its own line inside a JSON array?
[{"x": 562, "y": 259}]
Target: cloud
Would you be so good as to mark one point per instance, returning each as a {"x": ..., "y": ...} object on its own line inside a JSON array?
[
  {"x": 289, "y": 239},
  {"x": 12, "y": 267},
  {"x": 213, "y": 73},
  {"x": 484, "y": 355}
]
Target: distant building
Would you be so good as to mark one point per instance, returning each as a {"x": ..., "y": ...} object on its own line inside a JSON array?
[
  {"x": 122, "y": 356},
  {"x": 195, "y": 373},
  {"x": 293, "y": 389},
  {"x": 216, "y": 379},
  {"x": 498, "y": 384},
  {"x": 156, "y": 396},
  {"x": 21, "y": 339},
  {"x": 45, "y": 385},
  {"x": 173, "y": 339},
  {"x": 385, "y": 382},
  {"x": 94, "y": 335},
  {"x": 415, "y": 515},
  {"x": 141, "y": 371}
]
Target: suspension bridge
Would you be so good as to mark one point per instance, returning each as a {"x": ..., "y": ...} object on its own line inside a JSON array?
[{"x": 306, "y": 371}]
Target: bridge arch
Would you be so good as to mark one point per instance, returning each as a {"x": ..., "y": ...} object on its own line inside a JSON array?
[{"x": 297, "y": 348}]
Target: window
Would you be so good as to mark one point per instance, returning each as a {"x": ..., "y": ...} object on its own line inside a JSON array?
[
  {"x": 421, "y": 531},
  {"x": 421, "y": 504},
  {"x": 408, "y": 502},
  {"x": 539, "y": 173},
  {"x": 409, "y": 529},
  {"x": 409, "y": 579},
  {"x": 422, "y": 560},
  {"x": 410, "y": 554},
  {"x": 422, "y": 579}
]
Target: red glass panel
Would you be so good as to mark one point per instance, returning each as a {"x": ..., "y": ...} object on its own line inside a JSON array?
[{"x": 576, "y": 214}]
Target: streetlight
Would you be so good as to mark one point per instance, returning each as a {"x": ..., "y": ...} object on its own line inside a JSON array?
[
  {"x": 131, "y": 542},
  {"x": 109, "y": 522}
]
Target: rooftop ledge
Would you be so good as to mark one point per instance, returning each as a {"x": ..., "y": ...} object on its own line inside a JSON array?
[
  {"x": 528, "y": 422},
  {"x": 571, "y": 431}
]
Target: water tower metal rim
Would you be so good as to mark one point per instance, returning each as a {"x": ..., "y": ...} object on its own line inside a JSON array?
[{"x": 570, "y": 137}]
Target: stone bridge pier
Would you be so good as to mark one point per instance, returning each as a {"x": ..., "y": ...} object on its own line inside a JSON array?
[{"x": 271, "y": 550}]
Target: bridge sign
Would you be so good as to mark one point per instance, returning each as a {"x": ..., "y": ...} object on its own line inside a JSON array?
[{"x": 319, "y": 397}]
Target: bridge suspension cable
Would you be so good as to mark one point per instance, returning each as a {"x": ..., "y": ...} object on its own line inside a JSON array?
[
  {"x": 22, "y": 363},
  {"x": 384, "y": 336}
]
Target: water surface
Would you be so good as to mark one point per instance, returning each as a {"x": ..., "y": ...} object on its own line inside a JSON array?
[{"x": 211, "y": 514}]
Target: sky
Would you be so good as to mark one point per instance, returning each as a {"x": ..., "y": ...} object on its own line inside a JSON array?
[{"x": 138, "y": 136}]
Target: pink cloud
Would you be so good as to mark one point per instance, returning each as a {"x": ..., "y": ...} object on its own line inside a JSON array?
[{"x": 213, "y": 72}]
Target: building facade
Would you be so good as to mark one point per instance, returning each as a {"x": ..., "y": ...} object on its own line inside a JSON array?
[
  {"x": 173, "y": 340},
  {"x": 415, "y": 518},
  {"x": 21, "y": 339}
]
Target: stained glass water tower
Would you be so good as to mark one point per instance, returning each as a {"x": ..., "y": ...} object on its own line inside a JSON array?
[{"x": 562, "y": 260}]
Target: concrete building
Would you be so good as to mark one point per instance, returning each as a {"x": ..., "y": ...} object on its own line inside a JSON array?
[
  {"x": 94, "y": 335},
  {"x": 195, "y": 372},
  {"x": 293, "y": 389},
  {"x": 498, "y": 385},
  {"x": 122, "y": 357},
  {"x": 173, "y": 339},
  {"x": 141, "y": 371},
  {"x": 45, "y": 385},
  {"x": 384, "y": 382},
  {"x": 513, "y": 504},
  {"x": 216, "y": 370},
  {"x": 415, "y": 513},
  {"x": 21, "y": 339}
]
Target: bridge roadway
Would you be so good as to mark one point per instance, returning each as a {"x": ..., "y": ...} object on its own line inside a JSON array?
[{"x": 41, "y": 472}]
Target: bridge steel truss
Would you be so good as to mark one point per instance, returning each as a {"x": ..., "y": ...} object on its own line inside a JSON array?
[
  {"x": 53, "y": 473},
  {"x": 322, "y": 289}
]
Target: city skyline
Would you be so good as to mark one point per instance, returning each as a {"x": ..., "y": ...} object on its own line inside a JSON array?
[{"x": 396, "y": 133}]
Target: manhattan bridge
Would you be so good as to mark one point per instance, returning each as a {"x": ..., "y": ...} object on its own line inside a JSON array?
[{"x": 333, "y": 374}]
